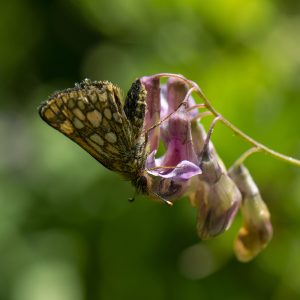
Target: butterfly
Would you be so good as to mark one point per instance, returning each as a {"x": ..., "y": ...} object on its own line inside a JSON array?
[{"x": 95, "y": 116}]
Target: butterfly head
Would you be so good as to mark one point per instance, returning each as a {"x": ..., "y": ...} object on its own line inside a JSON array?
[{"x": 144, "y": 185}]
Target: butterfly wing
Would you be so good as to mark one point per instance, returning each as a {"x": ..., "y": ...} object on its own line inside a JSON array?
[{"x": 91, "y": 115}]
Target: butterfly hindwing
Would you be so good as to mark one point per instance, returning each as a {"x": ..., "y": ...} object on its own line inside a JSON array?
[{"x": 91, "y": 115}]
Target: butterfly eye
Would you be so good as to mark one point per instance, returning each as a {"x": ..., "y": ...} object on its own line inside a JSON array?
[{"x": 142, "y": 185}]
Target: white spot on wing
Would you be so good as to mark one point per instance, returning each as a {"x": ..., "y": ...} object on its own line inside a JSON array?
[
  {"x": 102, "y": 97},
  {"x": 66, "y": 127},
  {"x": 94, "y": 117},
  {"x": 107, "y": 113},
  {"x": 77, "y": 123},
  {"x": 97, "y": 139},
  {"x": 80, "y": 104},
  {"x": 117, "y": 117},
  {"x": 70, "y": 103},
  {"x": 94, "y": 146},
  {"x": 78, "y": 113},
  {"x": 94, "y": 98},
  {"x": 110, "y": 137},
  {"x": 49, "y": 114}
]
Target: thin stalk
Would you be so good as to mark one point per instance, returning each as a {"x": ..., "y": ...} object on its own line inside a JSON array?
[
  {"x": 249, "y": 139},
  {"x": 260, "y": 147},
  {"x": 244, "y": 156}
]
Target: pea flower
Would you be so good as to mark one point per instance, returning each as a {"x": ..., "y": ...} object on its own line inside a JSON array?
[
  {"x": 187, "y": 167},
  {"x": 170, "y": 172}
]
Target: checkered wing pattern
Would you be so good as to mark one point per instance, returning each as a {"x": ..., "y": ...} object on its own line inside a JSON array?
[{"x": 92, "y": 115}]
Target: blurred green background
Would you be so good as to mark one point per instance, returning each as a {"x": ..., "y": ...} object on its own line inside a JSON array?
[{"x": 67, "y": 231}]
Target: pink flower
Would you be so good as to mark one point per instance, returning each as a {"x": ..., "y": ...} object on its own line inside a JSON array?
[
  {"x": 187, "y": 167},
  {"x": 191, "y": 166},
  {"x": 172, "y": 171},
  {"x": 216, "y": 197}
]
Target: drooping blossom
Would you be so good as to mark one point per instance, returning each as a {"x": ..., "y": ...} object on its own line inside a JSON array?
[
  {"x": 256, "y": 231},
  {"x": 186, "y": 166},
  {"x": 172, "y": 171},
  {"x": 216, "y": 196}
]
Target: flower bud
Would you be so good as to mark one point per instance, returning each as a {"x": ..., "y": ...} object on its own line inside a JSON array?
[
  {"x": 257, "y": 230},
  {"x": 216, "y": 197},
  {"x": 198, "y": 137}
]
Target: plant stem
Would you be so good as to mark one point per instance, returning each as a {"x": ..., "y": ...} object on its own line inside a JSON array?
[
  {"x": 247, "y": 138},
  {"x": 258, "y": 146},
  {"x": 245, "y": 155}
]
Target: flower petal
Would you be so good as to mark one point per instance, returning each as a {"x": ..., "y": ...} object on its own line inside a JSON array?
[
  {"x": 216, "y": 196},
  {"x": 183, "y": 171},
  {"x": 152, "y": 116},
  {"x": 174, "y": 93},
  {"x": 217, "y": 205}
]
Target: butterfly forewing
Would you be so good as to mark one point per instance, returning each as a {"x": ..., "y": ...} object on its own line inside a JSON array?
[{"x": 91, "y": 115}]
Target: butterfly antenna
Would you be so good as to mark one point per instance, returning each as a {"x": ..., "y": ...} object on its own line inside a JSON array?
[
  {"x": 184, "y": 102},
  {"x": 169, "y": 203}
]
